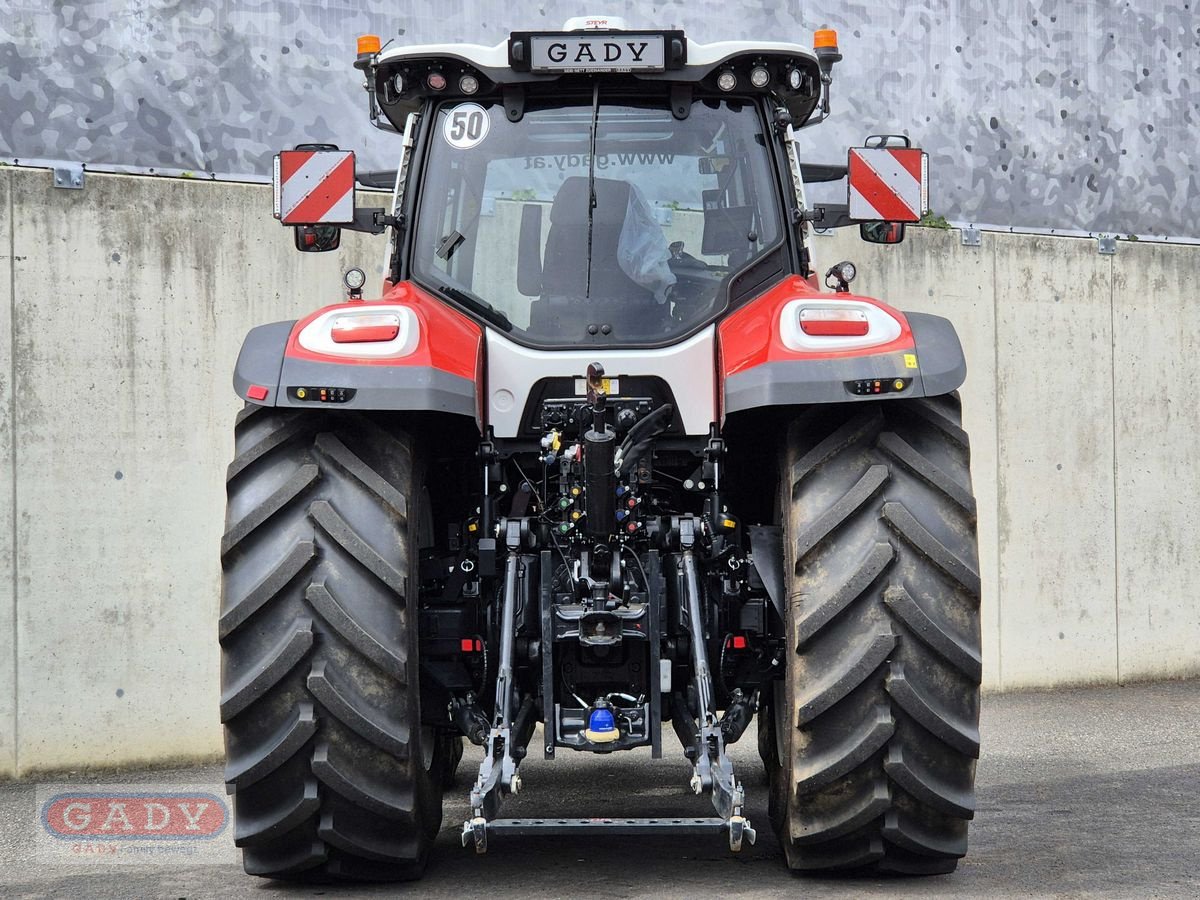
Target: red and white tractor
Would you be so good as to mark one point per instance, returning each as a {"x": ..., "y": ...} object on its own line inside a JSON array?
[{"x": 600, "y": 457}]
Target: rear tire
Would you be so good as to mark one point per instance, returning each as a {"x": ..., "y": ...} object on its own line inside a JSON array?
[
  {"x": 331, "y": 773},
  {"x": 875, "y": 727}
]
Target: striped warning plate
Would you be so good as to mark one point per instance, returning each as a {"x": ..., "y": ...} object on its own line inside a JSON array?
[
  {"x": 314, "y": 187},
  {"x": 889, "y": 184}
]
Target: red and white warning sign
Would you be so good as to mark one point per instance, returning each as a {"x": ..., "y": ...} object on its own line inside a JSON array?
[
  {"x": 888, "y": 184},
  {"x": 314, "y": 187}
]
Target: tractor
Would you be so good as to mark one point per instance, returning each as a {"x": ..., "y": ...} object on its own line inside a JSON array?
[{"x": 601, "y": 457}]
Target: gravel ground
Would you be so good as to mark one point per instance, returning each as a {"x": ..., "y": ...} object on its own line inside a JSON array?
[{"x": 1092, "y": 792}]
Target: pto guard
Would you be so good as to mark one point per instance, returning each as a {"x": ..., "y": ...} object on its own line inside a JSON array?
[
  {"x": 431, "y": 363},
  {"x": 901, "y": 355}
]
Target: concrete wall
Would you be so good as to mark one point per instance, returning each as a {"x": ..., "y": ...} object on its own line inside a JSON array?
[
  {"x": 1083, "y": 440},
  {"x": 127, "y": 302}
]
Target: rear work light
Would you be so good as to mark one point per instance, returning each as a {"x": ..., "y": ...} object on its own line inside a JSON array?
[
  {"x": 834, "y": 322},
  {"x": 364, "y": 329}
]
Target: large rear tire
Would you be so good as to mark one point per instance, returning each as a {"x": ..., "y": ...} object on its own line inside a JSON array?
[
  {"x": 331, "y": 772},
  {"x": 875, "y": 728}
]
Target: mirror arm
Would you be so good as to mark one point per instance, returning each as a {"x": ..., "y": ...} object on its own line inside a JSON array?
[
  {"x": 829, "y": 215},
  {"x": 373, "y": 221}
]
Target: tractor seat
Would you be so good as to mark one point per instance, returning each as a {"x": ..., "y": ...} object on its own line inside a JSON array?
[{"x": 564, "y": 269}]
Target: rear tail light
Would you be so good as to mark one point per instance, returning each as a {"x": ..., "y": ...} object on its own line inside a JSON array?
[
  {"x": 834, "y": 325},
  {"x": 364, "y": 329},
  {"x": 834, "y": 322}
]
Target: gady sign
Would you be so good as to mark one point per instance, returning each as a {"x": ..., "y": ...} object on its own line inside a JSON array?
[
  {"x": 132, "y": 816},
  {"x": 598, "y": 53}
]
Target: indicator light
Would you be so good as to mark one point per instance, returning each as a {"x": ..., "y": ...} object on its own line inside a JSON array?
[
  {"x": 436, "y": 81},
  {"x": 576, "y": 514},
  {"x": 728, "y": 523},
  {"x": 825, "y": 37},
  {"x": 257, "y": 392},
  {"x": 759, "y": 76},
  {"x": 794, "y": 78},
  {"x": 898, "y": 384},
  {"x": 468, "y": 84},
  {"x": 398, "y": 84},
  {"x": 727, "y": 81},
  {"x": 301, "y": 393},
  {"x": 368, "y": 44},
  {"x": 467, "y": 645}
]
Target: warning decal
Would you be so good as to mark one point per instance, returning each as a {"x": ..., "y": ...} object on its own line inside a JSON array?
[
  {"x": 888, "y": 184},
  {"x": 314, "y": 187}
]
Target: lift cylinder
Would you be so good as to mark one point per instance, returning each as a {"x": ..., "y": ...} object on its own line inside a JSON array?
[{"x": 600, "y": 502}]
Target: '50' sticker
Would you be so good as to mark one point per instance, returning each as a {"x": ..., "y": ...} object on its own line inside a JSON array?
[{"x": 466, "y": 126}]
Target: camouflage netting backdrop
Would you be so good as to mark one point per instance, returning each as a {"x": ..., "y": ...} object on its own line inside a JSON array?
[{"x": 1071, "y": 114}]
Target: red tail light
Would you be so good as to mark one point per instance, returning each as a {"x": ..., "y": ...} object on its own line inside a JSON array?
[
  {"x": 364, "y": 329},
  {"x": 834, "y": 322}
]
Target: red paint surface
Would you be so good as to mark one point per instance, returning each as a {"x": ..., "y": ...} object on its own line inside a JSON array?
[
  {"x": 910, "y": 159},
  {"x": 290, "y": 162},
  {"x": 750, "y": 337},
  {"x": 448, "y": 340}
]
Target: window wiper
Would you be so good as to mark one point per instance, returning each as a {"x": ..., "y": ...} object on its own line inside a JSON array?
[
  {"x": 475, "y": 304},
  {"x": 587, "y": 290}
]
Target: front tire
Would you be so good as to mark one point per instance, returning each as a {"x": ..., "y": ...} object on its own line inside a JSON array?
[
  {"x": 331, "y": 772},
  {"x": 875, "y": 726}
]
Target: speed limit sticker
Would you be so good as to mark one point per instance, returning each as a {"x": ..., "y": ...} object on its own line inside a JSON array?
[{"x": 466, "y": 126}]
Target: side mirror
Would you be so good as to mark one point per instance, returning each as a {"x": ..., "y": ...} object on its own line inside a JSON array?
[
  {"x": 888, "y": 184},
  {"x": 317, "y": 238},
  {"x": 881, "y": 232},
  {"x": 713, "y": 165},
  {"x": 314, "y": 192}
]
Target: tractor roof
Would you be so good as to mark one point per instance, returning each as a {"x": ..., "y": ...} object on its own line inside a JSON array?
[{"x": 536, "y": 62}]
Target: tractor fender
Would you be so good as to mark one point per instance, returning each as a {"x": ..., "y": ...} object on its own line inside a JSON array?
[
  {"x": 437, "y": 373},
  {"x": 939, "y": 368},
  {"x": 939, "y": 352},
  {"x": 260, "y": 360}
]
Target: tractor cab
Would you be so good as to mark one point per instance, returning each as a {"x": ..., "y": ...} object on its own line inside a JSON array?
[{"x": 601, "y": 185}]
